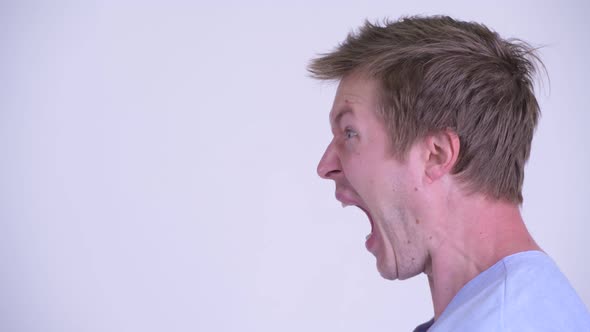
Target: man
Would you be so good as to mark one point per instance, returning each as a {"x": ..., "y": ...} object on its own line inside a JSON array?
[{"x": 433, "y": 122}]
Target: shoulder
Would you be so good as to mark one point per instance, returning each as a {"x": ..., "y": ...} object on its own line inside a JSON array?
[
  {"x": 522, "y": 292},
  {"x": 538, "y": 296},
  {"x": 476, "y": 307}
]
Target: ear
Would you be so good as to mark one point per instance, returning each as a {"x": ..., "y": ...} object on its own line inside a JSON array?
[{"x": 442, "y": 151}]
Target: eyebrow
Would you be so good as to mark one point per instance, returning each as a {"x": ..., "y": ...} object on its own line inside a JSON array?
[{"x": 334, "y": 120}]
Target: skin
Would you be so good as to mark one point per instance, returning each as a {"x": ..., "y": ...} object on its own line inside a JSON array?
[{"x": 422, "y": 220}]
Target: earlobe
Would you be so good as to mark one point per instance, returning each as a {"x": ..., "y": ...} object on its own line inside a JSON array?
[{"x": 442, "y": 151}]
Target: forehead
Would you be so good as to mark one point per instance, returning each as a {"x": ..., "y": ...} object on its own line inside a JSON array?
[{"x": 355, "y": 94}]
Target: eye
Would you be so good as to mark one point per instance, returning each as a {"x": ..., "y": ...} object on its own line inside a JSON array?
[{"x": 349, "y": 133}]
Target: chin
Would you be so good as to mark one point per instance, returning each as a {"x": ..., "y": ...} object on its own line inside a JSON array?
[
  {"x": 387, "y": 271},
  {"x": 388, "y": 276},
  {"x": 391, "y": 272}
]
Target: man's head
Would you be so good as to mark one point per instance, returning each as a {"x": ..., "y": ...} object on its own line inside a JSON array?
[
  {"x": 436, "y": 74},
  {"x": 425, "y": 106}
]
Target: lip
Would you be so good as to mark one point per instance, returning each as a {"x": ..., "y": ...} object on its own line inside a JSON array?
[{"x": 345, "y": 199}]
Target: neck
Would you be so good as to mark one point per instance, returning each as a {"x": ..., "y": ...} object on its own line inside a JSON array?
[{"x": 476, "y": 234}]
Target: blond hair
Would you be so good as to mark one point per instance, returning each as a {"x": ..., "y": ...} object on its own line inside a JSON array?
[{"x": 437, "y": 73}]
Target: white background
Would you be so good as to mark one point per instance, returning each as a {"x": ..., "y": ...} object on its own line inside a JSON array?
[{"x": 157, "y": 167}]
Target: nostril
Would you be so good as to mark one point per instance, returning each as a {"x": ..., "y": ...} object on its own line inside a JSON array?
[
  {"x": 326, "y": 170},
  {"x": 331, "y": 174}
]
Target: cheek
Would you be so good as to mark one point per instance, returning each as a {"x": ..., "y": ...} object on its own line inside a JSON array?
[
  {"x": 356, "y": 165},
  {"x": 394, "y": 183},
  {"x": 396, "y": 196}
]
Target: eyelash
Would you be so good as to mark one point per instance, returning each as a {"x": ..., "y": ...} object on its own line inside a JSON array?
[{"x": 349, "y": 133}]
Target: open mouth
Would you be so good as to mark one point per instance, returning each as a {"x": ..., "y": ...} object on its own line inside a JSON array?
[
  {"x": 368, "y": 216},
  {"x": 347, "y": 201},
  {"x": 370, "y": 239}
]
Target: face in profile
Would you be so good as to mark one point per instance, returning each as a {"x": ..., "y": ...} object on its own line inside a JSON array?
[{"x": 367, "y": 175}]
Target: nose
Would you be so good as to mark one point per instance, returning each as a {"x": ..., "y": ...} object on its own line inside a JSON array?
[{"x": 329, "y": 165}]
